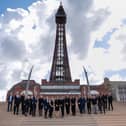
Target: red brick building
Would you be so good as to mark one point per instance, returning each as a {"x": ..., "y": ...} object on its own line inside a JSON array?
[{"x": 34, "y": 88}]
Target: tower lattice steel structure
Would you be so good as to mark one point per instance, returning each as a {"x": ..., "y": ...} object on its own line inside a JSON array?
[{"x": 60, "y": 71}]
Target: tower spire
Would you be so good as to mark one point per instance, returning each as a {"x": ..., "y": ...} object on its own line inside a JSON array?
[
  {"x": 60, "y": 70},
  {"x": 60, "y": 3}
]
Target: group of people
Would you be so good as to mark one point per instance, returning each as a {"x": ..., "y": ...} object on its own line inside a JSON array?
[{"x": 59, "y": 106}]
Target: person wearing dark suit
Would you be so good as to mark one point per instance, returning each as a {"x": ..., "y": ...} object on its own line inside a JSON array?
[
  {"x": 46, "y": 106},
  {"x": 79, "y": 101},
  {"x": 94, "y": 104},
  {"x": 100, "y": 103},
  {"x": 10, "y": 102},
  {"x": 103, "y": 98},
  {"x": 26, "y": 105},
  {"x": 106, "y": 100},
  {"x": 17, "y": 100},
  {"x": 22, "y": 103},
  {"x": 57, "y": 105},
  {"x": 30, "y": 107},
  {"x": 89, "y": 101},
  {"x": 110, "y": 102},
  {"x": 73, "y": 105},
  {"x": 34, "y": 102},
  {"x": 67, "y": 105},
  {"x": 40, "y": 105},
  {"x": 51, "y": 103},
  {"x": 83, "y": 104},
  {"x": 62, "y": 106}
]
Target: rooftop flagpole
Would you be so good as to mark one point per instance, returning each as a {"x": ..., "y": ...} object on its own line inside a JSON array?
[
  {"x": 86, "y": 75},
  {"x": 28, "y": 82}
]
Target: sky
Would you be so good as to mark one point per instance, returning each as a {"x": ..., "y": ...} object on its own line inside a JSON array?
[{"x": 95, "y": 33}]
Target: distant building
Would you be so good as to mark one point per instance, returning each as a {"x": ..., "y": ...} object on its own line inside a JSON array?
[
  {"x": 118, "y": 89},
  {"x": 34, "y": 88}
]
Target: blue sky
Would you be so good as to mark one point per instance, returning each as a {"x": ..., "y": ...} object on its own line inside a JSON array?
[
  {"x": 105, "y": 39},
  {"x": 4, "y": 4},
  {"x": 110, "y": 73}
]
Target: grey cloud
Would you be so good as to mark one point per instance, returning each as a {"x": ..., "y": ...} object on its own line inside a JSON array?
[
  {"x": 80, "y": 26},
  {"x": 98, "y": 18},
  {"x": 12, "y": 49},
  {"x": 3, "y": 76},
  {"x": 9, "y": 75},
  {"x": 46, "y": 43}
]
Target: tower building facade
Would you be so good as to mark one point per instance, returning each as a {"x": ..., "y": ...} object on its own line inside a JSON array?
[{"x": 60, "y": 81}]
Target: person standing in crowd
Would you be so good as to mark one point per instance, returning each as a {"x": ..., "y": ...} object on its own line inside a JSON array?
[
  {"x": 34, "y": 102},
  {"x": 89, "y": 100},
  {"x": 94, "y": 104},
  {"x": 62, "y": 106},
  {"x": 51, "y": 107},
  {"x": 57, "y": 103},
  {"x": 100, "y": 103},
  {"x": 110, "y": 101},
  {"x": 22, "y": 103},
  {"x": 10, "y": 102},
  {"x": 106, "y": 101},
  {"x": 17, "y": 100},
  {"x": 30, "y": 108},
  {"x": 83, "y": 104},
  {"x": 79, "y": 101},
  {"x": 40, "y": 105},
  {"x": 67, "y": 105},
  {"x": 103, "y": 98},
  {"x": 73, "y": 105},
  {"x": 26, "y": 105},
  {"x": 46, "y": 106}
]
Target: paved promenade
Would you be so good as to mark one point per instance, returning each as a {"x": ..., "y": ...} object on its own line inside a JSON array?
[{"x": 115, "y": 118}]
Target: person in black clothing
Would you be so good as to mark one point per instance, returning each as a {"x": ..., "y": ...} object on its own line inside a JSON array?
[
  {"x": 40, "y": 105},
  {"x": 100, "y": 103},
  {"x": 34, "y": 102},
  {"x": 30, "y": 107},
  {"x": 83, "y": 104},
  {"x": 50, "y": 107},
  {"x": 46, "y": 106},
  {"x": 17, "y": 100},
  {"x": 94, "y": 104},
  {"x": 103, "y": 98},
  {"x": 10, "y": 102},
  {"x": 110, "y": 102},
  {"x": 57, "y": 103},
  {"x": 79, "y": 101},
  {"x": 89, "y": 100},
  {"x": 26, "y": 105},
  {"x": 22, "y": 103},
  {"x": 62, "y": 106},
  {"x": 73, "y": 105},
  {"x": 67, "y": 105}
]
